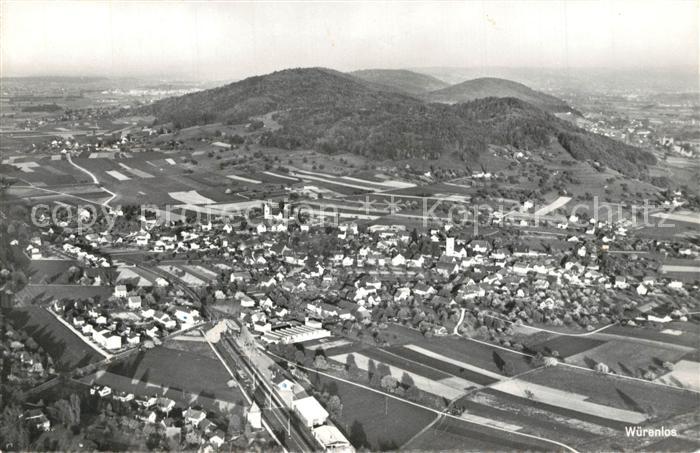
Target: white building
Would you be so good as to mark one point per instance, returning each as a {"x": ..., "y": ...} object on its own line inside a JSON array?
[
  {"x": 450, "y": 246},
  {"x": 295, "y": 334},
  {"x": 107, "y": 340},
  {"x": 120, "y": 291},
  {"x": 134, "y": 302},
  {"x": 310, "y": 411},
  {"x": 332, "y": 439},
  {"x": 255, "y": 416}
]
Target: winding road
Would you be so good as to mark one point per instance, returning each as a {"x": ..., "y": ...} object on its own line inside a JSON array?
[
  {"x": 94, "y": 180},
  {"x": 459, "y": 323}
]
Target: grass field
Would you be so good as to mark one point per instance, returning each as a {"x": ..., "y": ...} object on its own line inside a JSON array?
[
  {"x": 446, "y": 367},
  {"x": 471, "y": 352},
  {"x": 565, "y": 345},
  {"x": 478, "y": 354},
  {"x": 66, "y": 349},
  {"x": 654, "y": 400},
  {"x": 380, "y": 356},
  {"x": 539, "y": 410},
  {"x": 46, "y": 271},
  {"x": 162, "y": 366},
  {"x": 455, "y": 435},
  {"x": 690, "y": 337},
  {"x": 561, "y": 429},
  {"x": 448, "y": 390},
  {"x": 39, "y": 293},
  {"x": 686, "y": 374},
  {"x": 369, "y": 420},
  {"x": 627, "y": 357},
  {"x": 567, "y": 399}
]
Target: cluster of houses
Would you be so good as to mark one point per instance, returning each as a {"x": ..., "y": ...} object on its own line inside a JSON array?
[
  {"x": 87, "y": 257},
  {"x": 190, "y": 425},
  {"x": 24, "y": 366},
  {"x": 383, "y": 267},
  {"x": 124, "y": 321}
]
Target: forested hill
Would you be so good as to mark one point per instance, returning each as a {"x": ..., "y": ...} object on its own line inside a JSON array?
[
  {"x": 493, "y": 87},
  {"x": 401, "y": 80},
  {"x": 334, "y": 112}
]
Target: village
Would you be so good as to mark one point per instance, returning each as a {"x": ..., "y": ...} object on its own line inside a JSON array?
[
  {"x": 212, "y": 242},
  {"x": 283, "y": 283}
]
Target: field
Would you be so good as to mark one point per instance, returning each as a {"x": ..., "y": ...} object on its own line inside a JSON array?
[
  {"x": 39, "y": 293},
  {"x": 566, "y": 399},
  {"x": 565, "y": 345},
  {"x": 528, "y": 419},
  {"x": 627, "y": 357},
  {"x": 442, "y": 365},
  {"x": 372, "y": 421},
  {"x": 686, "y": 374},
  {"x": 491, "y": 360},
  {"x": 654, "y": 400},
  {"x": 134, "y": 274},
  {"x": 424, "y": 378},
  {"x": 449, "y": 434},
  {"x": 538, "y": 410},
  {"x": 336, "y": 182},
  {"x": 161, "y": 367},
  {"x": 162, "y": 179},
  {"x": 44, "y": 171},
  {"x": 689, "y": 339},
  {"x": 66, "y": 349},
  {"x": 180, "y": 273},
  {"x": 192, "y": 342},
  {"x": 47, "y": 271}
]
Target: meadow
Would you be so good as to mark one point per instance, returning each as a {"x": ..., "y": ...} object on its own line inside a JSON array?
[
  {"x": 371, "y": 420},
  {"x": 64, "y": 347},
  {"x": 655, "y": 401},
  {"x": 449, "y": 434}
]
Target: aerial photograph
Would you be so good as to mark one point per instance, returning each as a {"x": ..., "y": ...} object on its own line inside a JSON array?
[{"x": 350, "y": 226}]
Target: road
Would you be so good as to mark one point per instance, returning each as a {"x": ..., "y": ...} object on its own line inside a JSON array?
[
  {"x": 461, "y": 320},
  {"x": 538, "y": 329},
  {"x": 94, "y": 180}
]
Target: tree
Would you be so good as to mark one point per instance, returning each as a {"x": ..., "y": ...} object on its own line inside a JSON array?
[
  {"x": 320, "y": 362},
  {"x": 407, "y": 380},
  {"x": 66, "y": 412},
  {"x": 13, "y": 433},
  {"x": 550, "y": 362},
  {"x": 299, "y": 357},
  {"x": 350, "y": 364},
  {"x": 602, "y": 368},
  {"x": 529, "y": 395},
  {"x": 234, "y": 425},
  {"x": 335, "y": 406},
  {"x": 389, "y": 383}
]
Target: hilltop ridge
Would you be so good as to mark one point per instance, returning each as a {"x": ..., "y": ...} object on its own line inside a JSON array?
[
  {"x": 485, "y": 87},
  {"x": 334, "y": 112}
]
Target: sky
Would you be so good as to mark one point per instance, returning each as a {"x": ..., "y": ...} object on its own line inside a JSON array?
[{"x": 230, "y": 40}]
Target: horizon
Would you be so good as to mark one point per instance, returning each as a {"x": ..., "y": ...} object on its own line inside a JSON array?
[
  {"x": 680, "y": 70},
  {"x": 233, "y": 40}
]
